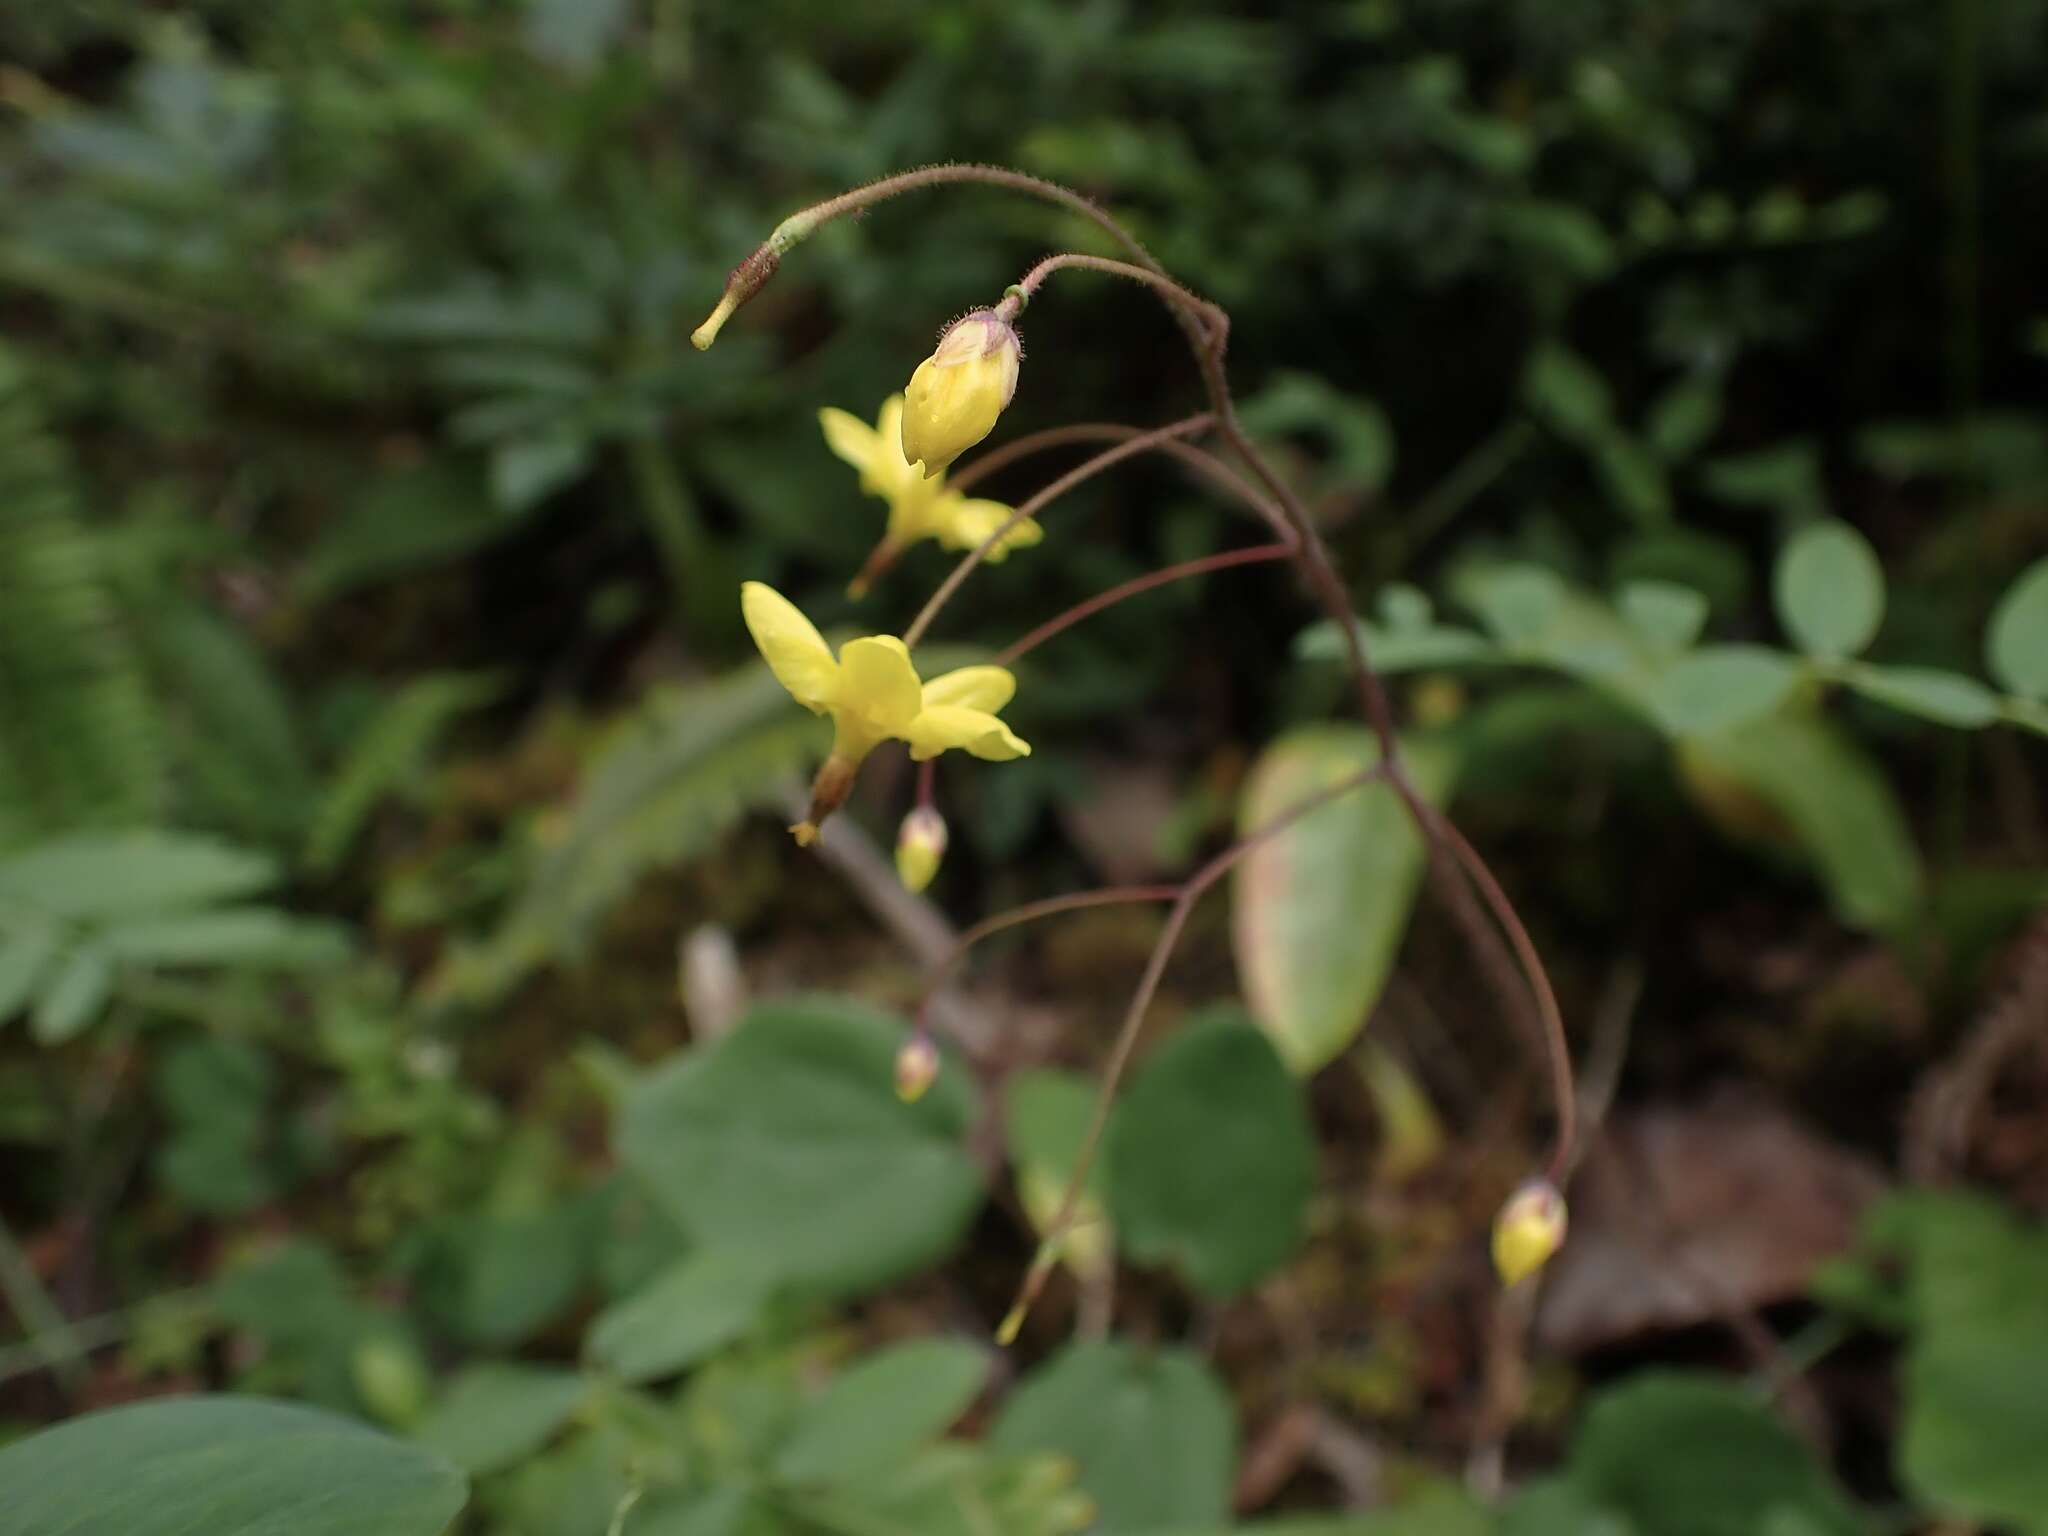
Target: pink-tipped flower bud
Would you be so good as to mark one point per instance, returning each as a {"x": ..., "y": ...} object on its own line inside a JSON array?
[
  {"x": 958, "y": 392},
  {"x": 917, "y": 1067},
  {"x": 1528, "y": 1231},
  {"x": 920, "y": 845}
]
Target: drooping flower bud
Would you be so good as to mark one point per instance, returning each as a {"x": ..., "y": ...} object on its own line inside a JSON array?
[
  {"x": 1528, "y": 1231},
  {"x": 920, "y": 845},
  {"x": 917, "y": 1067},
  {"x": 958, "y": 392}
]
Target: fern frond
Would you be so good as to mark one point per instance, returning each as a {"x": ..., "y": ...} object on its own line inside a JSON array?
[
  {"x": 671, "y": 780},
  {"x": 80, "y": 742}
]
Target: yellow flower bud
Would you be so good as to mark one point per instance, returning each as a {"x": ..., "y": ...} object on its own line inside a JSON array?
[
  {"x": 1528, "y": 1231},
  {"x": 917, "y": 1067},
  {"x": 920, "y": 845},
  {"x": 958, "y": 392}
]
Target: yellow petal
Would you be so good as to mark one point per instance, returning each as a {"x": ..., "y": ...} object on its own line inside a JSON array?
[
  {"x": 852, "y": 440},
  {"x": 988, "y": 688},
  {"x": 889, "y": 430},
  {"x": 878, "y": 685},
  {"x": 964, "y": 523},
  {"x": 945, "y": 726},
  {"x": 791, "y": 645}
]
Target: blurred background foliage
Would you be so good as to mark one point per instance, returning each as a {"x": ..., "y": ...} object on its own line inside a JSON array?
[{"x": 380, "y": 756}]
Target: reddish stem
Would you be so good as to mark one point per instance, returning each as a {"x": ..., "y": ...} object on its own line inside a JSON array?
[{"x": 1137, "y": 584}]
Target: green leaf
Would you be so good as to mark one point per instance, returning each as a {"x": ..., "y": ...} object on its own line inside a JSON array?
[
  {"x": 1433, "y": 1512},
  {"x": 1152, "y": 1431},
  {"x": 876, "y": 1412},
  {"x": 1786, "y": 479},
  {"x": 1830, "y": 797},
  {"x": 1829, "y": 590},
  {"x": 1684, "y": 1455},
  {"x": 1670, "y": 617},
  {"x": 1720, "y": 687},
  {"x": 1518, "y": 603},
  {"x": 1211, "y": 1158},
  {"x": 527, "y": 469},
  {"x": 496, "y": 1414},
  {"x": 26, "y": 951},
  {"x": 495, "y": 1278},
  {"x": 1568, "y": 393},
  {"x": 127, "y": 874},
  {"x": 254, "y": 937},
  {"x": 1045, "y": 1118},
  {"x": 75, "y": 995},
  {"x": 216, "y": 1466},
  {"x": 1555, "y": 1506},
  {"x": 391, "y": 751},
  {"x": 1975, "y": 1418},
  {"x": 786, "y": 1138},
  {"x": 1634, "y": 478},
  {"x": 663, "y": 785},
  {"x": 1543, "y": 620},
  {"x": 1390, "y": 651},
  {"x": 2016, "y": 644},
  {"x": 1318, "y": 911},
  {"x": 400, "y": 522},
  {"x": 1946, "y": 698},
  {"x": 1684, "y": 417},
  {"x": 1361, "y": 442},
  {"x": 693, "y": 1308}
]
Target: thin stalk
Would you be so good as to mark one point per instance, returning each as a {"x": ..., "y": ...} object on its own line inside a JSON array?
[
  {"x": 1189, "y": 892},
  {"x": 1214, "y": 322},
  {"x": 1087, "y": 470},
  {"x": 48, "y": 1332},
  {"x": 1137, "y": 584},
  {"x": 1031, "y": 912},
  {"x": 1204, "y": 463}
]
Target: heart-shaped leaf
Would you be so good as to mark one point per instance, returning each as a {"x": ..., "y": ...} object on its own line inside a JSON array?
[
  {"x": 786, "y": 1139},
  {"x": 1211, "y": 1158}
]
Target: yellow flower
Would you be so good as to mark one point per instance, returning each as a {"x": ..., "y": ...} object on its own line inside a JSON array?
[
  {"x": 919, "y": 508},
  {"x": 1528, "y": 1231},
  {"x": 957, "y": 393},
  {"x": 873, "y": 694}
]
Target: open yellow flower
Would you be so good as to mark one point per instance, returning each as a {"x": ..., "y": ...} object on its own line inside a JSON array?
[
  {"x": 919, "y": 507},
  {"x": 957, "y": 393},
  {"x": 873, "y": 695}
]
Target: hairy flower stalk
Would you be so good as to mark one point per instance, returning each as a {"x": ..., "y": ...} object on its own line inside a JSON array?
[{"x": 953, "y": 402}]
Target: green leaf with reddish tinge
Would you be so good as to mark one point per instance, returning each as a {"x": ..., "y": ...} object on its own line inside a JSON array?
[{"x": 1318, "y": 910}]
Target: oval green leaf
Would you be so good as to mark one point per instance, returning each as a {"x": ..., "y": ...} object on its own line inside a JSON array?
[
  {"x": 1152, "y": 1431},
  {"x": 224, "y": 1466},
  {"x": 2016, "y": 645},
  {"x": 1720, "y": 687},
  {"x": 694, "y": 1307},
  {"x": 876, "y": 1413},
  {"x": 1832, "y": 800},
  {"x": 1829, "y": 590},
  {"x": 1317, "y": 913},
  {"x": 1946, "y": 698},
  {"x": 498, "y": 1413}
]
